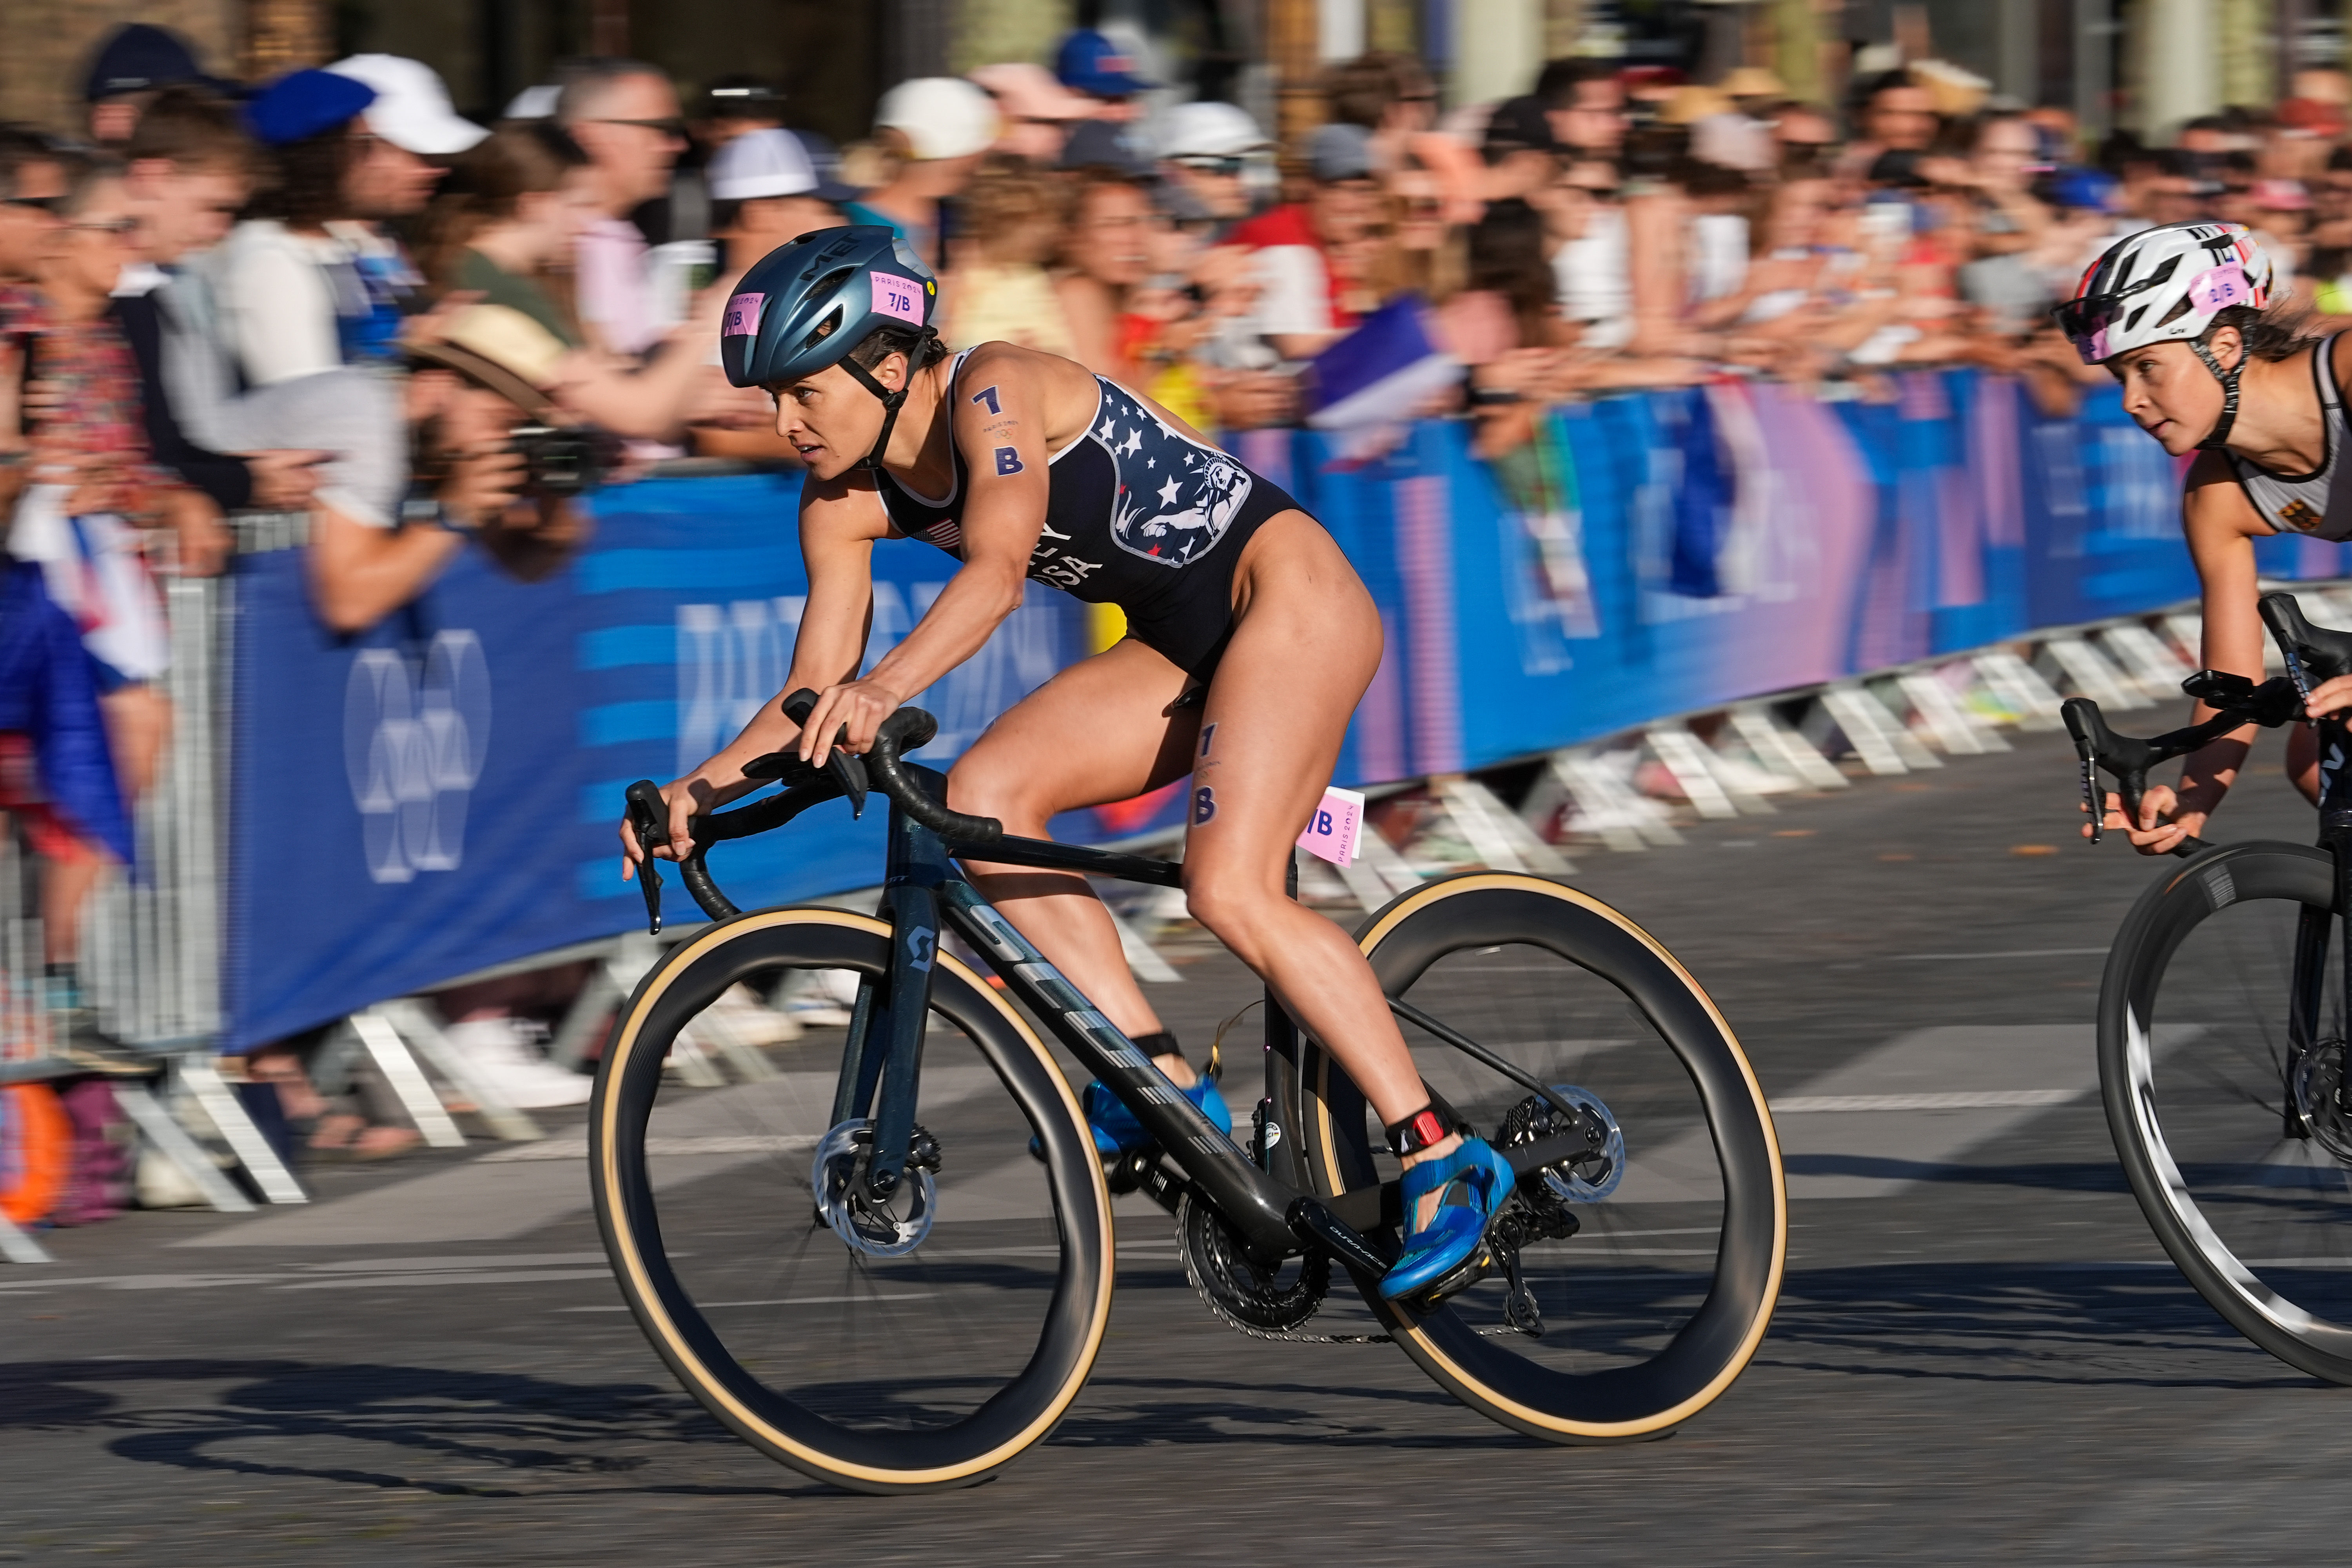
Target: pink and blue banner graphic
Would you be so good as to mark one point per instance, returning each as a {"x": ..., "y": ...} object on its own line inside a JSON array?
[{"x": 440, "y": 794}]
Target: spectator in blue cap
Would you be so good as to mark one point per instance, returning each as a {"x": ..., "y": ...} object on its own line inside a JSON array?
[
  {"x": 132, "y": 66},
  {"x": 1090, "y": 62},
  {"x": 310, "y": 282}
]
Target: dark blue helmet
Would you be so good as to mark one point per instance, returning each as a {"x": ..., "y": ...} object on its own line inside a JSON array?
[{"x": 804, "y": 306}]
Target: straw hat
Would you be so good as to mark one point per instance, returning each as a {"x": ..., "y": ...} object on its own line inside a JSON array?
[
  {"x": 1754, "y": 82},
  {"x": 1692, "y": 103}
]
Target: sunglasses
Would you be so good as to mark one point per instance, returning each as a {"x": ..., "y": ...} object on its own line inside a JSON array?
[
  {"x": 672, "y": 127},
  {"x": 1225, "y": 166},
  {"x": 117, "y": 226}
]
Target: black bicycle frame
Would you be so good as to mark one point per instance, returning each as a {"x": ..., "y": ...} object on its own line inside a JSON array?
[
  {"x": 881, "y": 1065},
  {"x": 1265, "y": 1199}
]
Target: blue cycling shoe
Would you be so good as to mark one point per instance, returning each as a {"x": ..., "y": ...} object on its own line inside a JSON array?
[
  {"x": 1116, "y": 1131},
  {"x": 1475, "y": 1181}
]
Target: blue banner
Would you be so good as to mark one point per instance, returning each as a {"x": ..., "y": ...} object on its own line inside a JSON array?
[{"x": 440, "y": 794}]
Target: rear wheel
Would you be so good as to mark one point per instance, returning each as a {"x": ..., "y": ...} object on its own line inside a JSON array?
[
  {"x": 918, "y": 1349},
  {"x": 2231, "y": 1121},
  {"x": 1646, "y": 1281}
]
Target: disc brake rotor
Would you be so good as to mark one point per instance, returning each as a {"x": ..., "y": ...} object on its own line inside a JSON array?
[
  {"x": 1587, "y": 1179},
  {"x": 1252, "y": 1299},
  {"x": 2317, "y": 1085},
  {"x": 878, "y": 1227}
]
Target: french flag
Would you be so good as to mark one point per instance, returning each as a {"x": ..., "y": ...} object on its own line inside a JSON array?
[{"x": 1366, "y": 388}]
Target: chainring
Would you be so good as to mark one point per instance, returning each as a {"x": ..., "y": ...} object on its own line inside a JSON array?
[
  {"x": 1244, "y": 1295},
  {"x": 1585, "y": 1180},
  {"x": 2316, "y": 1084}
]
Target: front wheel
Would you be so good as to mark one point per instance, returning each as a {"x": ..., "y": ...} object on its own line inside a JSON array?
[
  {"x": 2222, "y": 1054},
  {"x": 902, "y": 1351},
  {"x": 1645, "y": 1276}
]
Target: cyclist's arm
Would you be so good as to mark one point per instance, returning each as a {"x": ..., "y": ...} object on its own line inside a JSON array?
[
  {"x": 840, "y": 520},
  {"x": 997, "y": 413},
  {"x": 2221, "y": 526}
]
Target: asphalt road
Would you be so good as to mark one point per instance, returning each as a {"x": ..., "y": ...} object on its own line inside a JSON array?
[{"x": 1979, "y": 1354}]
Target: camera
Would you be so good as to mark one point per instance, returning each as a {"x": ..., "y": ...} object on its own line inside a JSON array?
[{"x": 563, "y": 460}]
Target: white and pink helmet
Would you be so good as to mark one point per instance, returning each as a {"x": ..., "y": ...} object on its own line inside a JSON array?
[{"x": 2130, "y": 296}]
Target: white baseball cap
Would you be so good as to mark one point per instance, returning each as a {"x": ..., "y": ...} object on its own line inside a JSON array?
[
  {"x": 1209, "y": 131},
  {"x": 411, "y": 107},
  {"x": 762, "y": 163},
  {"x": 941, "y": 116},
  {"x": 534, "y": 102}
]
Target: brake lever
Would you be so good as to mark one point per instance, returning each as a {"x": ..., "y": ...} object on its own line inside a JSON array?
[
  {"x": 848, "y": 771},
  {"x": 649, "y": 820}
]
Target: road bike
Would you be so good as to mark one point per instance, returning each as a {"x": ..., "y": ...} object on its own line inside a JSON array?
[
  {"x": 2222, "y": 1039},
  {"x": 892, "y": 1270}
]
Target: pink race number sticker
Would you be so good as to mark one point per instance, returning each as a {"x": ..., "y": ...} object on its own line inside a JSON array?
[
  {"x": 899, "y": 297},
  {"x": 2219, "y": 287},
  {"x": 1333, "y": 831},
  {"x": 742, "y": 316}
]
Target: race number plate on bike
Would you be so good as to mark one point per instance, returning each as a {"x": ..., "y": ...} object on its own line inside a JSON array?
[{"x": 1332, "y": 831}]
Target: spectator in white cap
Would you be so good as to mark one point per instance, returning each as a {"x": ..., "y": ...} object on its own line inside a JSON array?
[
  {"x": 411, "y": 107},
  {"x": 934, "y": 129},
  {"x": 1205, "y": 152},
  {"x": 764, "y": 191},
  {"x": 1035, "y": 112}
]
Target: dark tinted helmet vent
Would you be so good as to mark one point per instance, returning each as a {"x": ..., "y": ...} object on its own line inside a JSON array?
[{"x": 823, "y": 330}]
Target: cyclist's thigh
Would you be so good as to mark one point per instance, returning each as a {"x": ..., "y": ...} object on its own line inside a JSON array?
[
  {"x": 1101, "y": 730},
  {"x": 1303, "y": 651}
]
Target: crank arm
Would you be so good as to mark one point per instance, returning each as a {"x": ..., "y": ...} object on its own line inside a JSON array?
[{"x": 1381, "y": 1208}]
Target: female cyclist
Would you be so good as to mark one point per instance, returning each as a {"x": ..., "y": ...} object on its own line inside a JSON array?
[
  {"x": 2181, "y": 317},
  {"x": 1249, "y": 640}
]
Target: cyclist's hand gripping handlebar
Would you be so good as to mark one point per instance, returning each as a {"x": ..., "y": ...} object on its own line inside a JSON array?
[
  {"x": 2238, "y": 701},
  {"x": 649, "y": 819},
  {"x": 908, "y": 729}
]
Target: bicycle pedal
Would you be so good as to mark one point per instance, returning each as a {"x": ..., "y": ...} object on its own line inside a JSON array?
[{"x": 1473, "y": 1268}]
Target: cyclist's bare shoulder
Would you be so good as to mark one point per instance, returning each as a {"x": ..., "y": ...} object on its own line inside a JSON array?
[
  {"x": 846, "y": 506},
  {"x": 2214, "y": 505},
  {"x": 1057, "y": 391}
]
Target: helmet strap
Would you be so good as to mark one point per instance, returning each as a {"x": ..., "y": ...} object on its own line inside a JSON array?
[
  {"x": 894, "y": 401},
  {"x": 2228, "y": 380}
]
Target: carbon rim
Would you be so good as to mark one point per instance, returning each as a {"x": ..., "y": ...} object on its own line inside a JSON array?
[
  {"x": 2194, "y": 1059},
  {"x": 704, "y": 1347},
  {"x": 1504, "y": 1376}
]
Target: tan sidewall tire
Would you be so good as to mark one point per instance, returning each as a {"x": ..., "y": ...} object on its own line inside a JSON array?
[
  {"x": 1082, "y": 1201},
  {"x": 1753, "y": 1260}
]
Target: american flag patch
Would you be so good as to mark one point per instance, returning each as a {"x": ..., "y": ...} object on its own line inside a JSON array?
[{"x": 948, "y": 535}]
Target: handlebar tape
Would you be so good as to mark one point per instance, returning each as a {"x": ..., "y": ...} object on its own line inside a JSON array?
[{"x": 908, "y": 729}]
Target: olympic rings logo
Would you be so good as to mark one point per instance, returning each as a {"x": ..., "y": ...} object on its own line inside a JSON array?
[{"x": 415, "y": 734}]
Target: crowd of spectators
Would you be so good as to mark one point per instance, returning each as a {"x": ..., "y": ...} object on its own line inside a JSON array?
[{"x": 331, "y": 296}]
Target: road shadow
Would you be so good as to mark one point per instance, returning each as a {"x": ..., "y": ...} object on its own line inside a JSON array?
[
  {"x": 2084, "y": 1324},
  {"x": 2061, "y": 1176},
  {"x": 520, "y": 1434}
]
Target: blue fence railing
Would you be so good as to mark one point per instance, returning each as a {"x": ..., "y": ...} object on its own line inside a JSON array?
[{"x": 439, "y": 795}]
